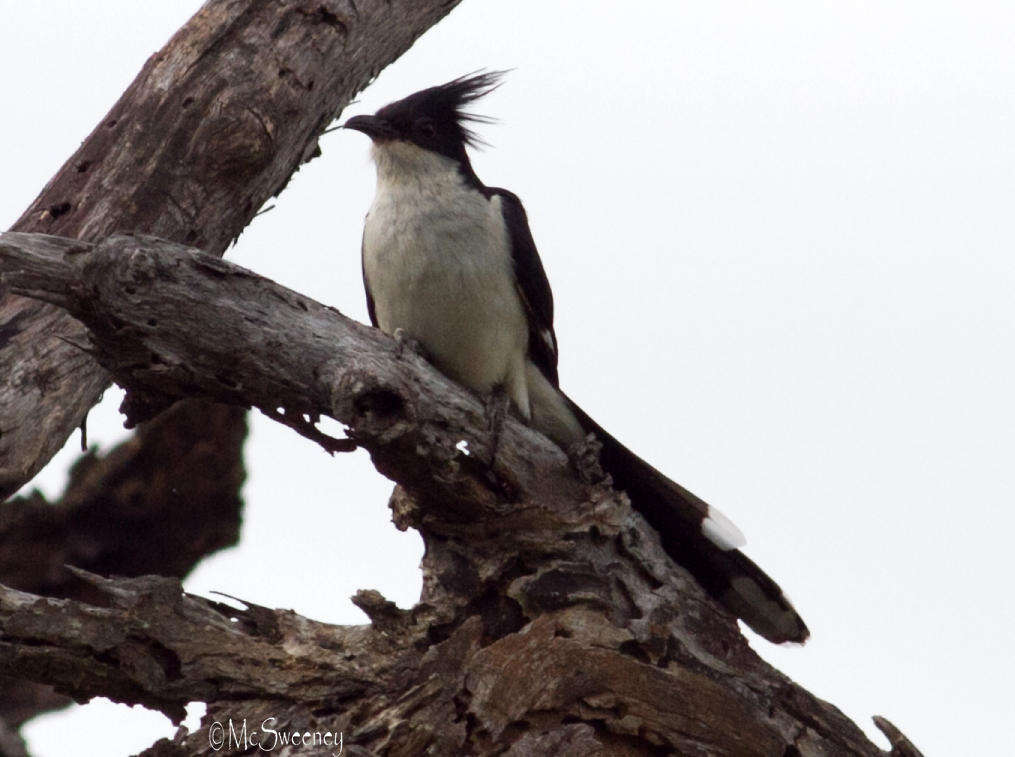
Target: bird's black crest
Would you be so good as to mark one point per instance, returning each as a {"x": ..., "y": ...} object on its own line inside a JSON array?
[{"x": 445, "y": 105}]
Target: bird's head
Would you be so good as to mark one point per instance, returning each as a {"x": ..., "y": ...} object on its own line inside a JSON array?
[{"x": 432, "y": 119}]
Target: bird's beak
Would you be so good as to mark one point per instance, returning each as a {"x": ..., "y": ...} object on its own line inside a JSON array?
[{"x": 374, "y": 127}]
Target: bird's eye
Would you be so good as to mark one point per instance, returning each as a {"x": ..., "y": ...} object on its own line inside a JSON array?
[{"x": 425, "y": 127}]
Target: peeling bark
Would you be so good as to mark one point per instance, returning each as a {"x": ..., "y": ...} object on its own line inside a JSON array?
[
  {"x": 157, "y": 503},
  {"x": 551, "y": 620},
  {"x": 214, "y": 124},
  {"x": 129, "y": 512}
]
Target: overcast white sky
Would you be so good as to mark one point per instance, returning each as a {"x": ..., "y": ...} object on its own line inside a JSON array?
[{"x": 780, "y": 239}]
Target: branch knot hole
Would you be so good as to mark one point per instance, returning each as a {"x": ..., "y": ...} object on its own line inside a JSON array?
[{"x": 379, "y": 406}]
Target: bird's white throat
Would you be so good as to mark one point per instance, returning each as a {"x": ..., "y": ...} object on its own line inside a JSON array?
[{"x": 400, "y": 162}]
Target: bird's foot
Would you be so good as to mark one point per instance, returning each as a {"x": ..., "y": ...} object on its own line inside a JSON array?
[
  {"x": 497, "y": 404},
  {"x": 405, "y": 344},
  {"x": 584, "y": 457}
]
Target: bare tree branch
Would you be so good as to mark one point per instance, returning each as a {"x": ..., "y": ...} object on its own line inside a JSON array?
[
  {"x": 169, "y": 322},
  {"x": 137, "y": 509},
  {"x": 551, "y": 622},
  {"x": 901, "y": 746},
  {"x": 130, "y": 512},
  {"x": 214, "y": 125}
]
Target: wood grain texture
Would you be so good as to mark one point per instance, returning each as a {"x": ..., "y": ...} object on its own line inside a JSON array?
[
  {"x": 551, "y": 620},
  {"x": 130, "y": 512},
  {"x": 135, "y": 509},
  {"x": 214, "y": 124}
]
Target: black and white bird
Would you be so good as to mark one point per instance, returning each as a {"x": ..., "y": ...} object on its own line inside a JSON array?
[{"x": 450, "y": 263}]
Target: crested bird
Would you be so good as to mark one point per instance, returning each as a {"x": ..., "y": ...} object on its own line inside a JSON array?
[{"x": 450, "y": 263}]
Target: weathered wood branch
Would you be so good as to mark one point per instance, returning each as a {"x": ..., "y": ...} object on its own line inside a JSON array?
[
  {"x": 149, "y": 643},
  {"x": 215, "y": 124},
  {"x": 129, "y": 512},
  {"x": 551, "y": 620},
  {"x": 137, "y": 509}
]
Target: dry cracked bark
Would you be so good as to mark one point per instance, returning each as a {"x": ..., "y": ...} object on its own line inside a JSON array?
[
  {"x": 551, "y": 620},
  {"x": 171, "y": 488},
  {"x": 214, "y": 124}
]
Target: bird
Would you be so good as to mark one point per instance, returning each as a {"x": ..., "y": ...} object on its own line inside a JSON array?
[{"x": 450, "y": 264}]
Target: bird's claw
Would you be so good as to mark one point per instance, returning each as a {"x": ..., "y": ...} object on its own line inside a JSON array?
[
  {"x": 405, "y": 344},
  {"x": 584, "y": 457},
  {"x": 496, "y": 405}
]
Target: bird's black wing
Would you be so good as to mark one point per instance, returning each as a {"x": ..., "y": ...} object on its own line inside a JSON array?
[
  {"x": 533, "y": 286},
  {"x": 366, "y": 288}
]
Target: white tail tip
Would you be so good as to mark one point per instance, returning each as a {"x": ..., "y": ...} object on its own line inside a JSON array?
[{"x": 719, "y": 530}]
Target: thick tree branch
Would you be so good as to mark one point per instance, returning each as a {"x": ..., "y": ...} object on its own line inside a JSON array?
[
  {"x": 214, "y": 125},
  {"x": 169, "y": 322},
  {"x": 130, "y": 512},
  {"x": 151, "y": 644},
  {"x": 551, "y": 619},
  {"x": 137, "y": 509}
]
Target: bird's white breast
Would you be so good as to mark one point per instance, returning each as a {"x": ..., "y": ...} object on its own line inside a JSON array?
[{"x": 437, "y": 260}]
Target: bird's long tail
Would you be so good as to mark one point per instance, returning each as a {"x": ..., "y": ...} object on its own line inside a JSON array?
[{"x": 701, "y": 539}]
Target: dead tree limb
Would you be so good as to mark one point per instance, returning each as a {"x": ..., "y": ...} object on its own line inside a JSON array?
[
  {"x": 215, "y": 124},
  {"x": 551, "y": 620},
  {"x": 157, "y": 503},
  {"x": 163, "y": 648},
  {"x": 130, "y": 512}
]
